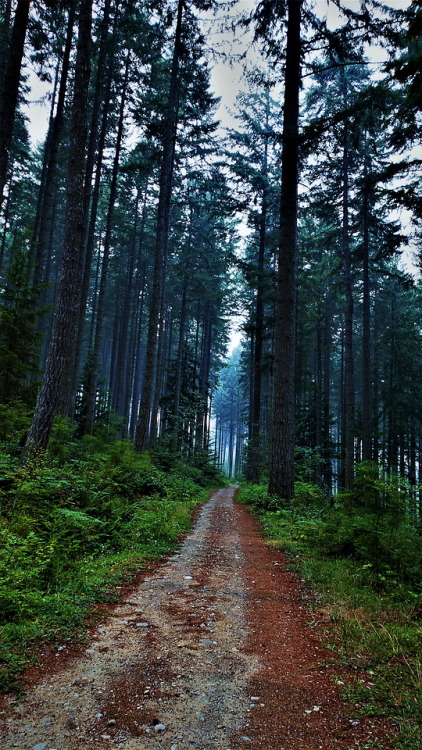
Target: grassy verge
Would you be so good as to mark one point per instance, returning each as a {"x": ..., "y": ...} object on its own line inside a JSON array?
[
  {"x": 374, "y": 623},
  {"x": 73, "y": 526}
]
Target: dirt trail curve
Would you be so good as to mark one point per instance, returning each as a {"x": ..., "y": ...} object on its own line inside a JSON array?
[{"x": 211, "y": 652}]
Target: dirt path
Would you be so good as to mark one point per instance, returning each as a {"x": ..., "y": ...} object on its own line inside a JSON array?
[{"x": 211, "y": 652}]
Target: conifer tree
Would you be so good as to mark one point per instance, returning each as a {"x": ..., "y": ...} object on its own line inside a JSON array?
[
  {"x": 10, "y": 82},
  {"x": 68, "y": 299}
]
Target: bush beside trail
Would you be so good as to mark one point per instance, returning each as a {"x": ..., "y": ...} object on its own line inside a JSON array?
[
  {"x": 360, "y": 559},
  {"x": 74, "y": 523}
]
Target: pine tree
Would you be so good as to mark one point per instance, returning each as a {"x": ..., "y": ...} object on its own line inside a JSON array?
[{"x": 68, "y": 298}]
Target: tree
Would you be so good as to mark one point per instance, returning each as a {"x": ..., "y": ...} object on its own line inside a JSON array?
[
  {"x": 165, "y": 188},
  {"x": 19, "y": 338},
  {"x": 188, "y": 49},
  {"x": 281, "y": 480},
  {"x": 10, "y": 86},
  {"x": 68, "y": 297},
  {"x": 253, "y": 157}
]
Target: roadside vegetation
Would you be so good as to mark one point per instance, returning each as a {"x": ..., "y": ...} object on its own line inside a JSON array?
[
  {"x": 76, "y": 521},
  {"x": 362, "y": 559}
]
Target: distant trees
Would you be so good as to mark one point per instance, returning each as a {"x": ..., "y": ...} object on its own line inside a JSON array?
[
  {"x": 230, "y": 417},
  {"x": 253, "y": 153}
]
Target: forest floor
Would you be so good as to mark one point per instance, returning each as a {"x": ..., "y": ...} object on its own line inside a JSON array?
[{"x": 214, "y": 649}]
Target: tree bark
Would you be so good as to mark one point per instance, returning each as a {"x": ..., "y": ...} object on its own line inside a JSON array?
[
  {"x": 201, "y": 418},
  {"x": 120, "y": 400},
  {"x": 10, "y": 89},
  {"x": 175, "y": 426},
  {"x": 4, "y": 37},
  {"x": 366, "y": 335},
  {"x": 254, "y": 455},
  {"x": 52, "y": 144},
  {"x": 349, "y": 393},
  {"x": 163, "y": 215},
  {"x": 95, "y": 152},
  {"x": 138, "y": 363},
  {"x": 93, "y": 375},
  {"x": 281, "y": 480},
  {"x": 68, "y": 297}
]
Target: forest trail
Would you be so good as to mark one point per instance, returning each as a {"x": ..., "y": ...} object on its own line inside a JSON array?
[{"x": 211, "y": 652}]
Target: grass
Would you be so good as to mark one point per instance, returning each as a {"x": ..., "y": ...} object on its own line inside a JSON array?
[{"x": 374, "y": 630}]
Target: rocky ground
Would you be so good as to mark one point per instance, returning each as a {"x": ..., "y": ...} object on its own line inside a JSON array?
[{"x": 213, "y": 651}]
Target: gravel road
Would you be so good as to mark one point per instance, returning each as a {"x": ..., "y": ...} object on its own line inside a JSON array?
[{"x": 211, "y": 652}]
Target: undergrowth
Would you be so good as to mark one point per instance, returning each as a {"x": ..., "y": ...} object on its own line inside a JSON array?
[
  {"x": 364, "y": 564},
  {"x": 74, "y": 523}
]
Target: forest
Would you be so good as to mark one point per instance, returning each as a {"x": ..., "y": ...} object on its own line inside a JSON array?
[{"x": 140, "y": 229}]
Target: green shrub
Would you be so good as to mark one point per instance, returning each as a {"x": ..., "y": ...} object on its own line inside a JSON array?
[
  {"x": 256, "y": 495},
  {"x": 73, "y": 521},
  {"x": 24, "y": 561},
  {"x": 391, "y": 551},
  {"x": 15, "y": 421},
  {"x": 372, "y": 524},
  {"x": 308, "y": 498}
]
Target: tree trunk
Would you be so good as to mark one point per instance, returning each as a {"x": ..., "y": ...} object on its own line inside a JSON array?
[
  {"x": 51, "y": 157},
  {"x": 10, "y": 90},
  {"x": 137, "y": 320},
  {"x": 4, "y": 37},
  {"x": 101, "y": 90},
  {"x": 138, "y": 363},
  {"x": 375, "y": 400},
  {"x": 38, "y": 267},
  {"x": 179, "y": 369},
  {"x": 366, "y": 336},
  {"x": 68, "y": 297},
  {"x": 201, "y": 418},
  {"x": 254, "y": 456},
  {"x": 158, "y": 379},
  {"x": 95, "y": 152},
  {"x": 281, "y": 480},
  {"x": 326, "y": 440},
  {"x": 93, "y": 375},
  {"x": 163, "y": 216},
  {"x": 349, "y": 394},
  {"x": 120, "y": 391}
]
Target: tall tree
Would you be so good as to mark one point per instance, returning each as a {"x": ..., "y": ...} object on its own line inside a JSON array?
[
  {"x": 66, "y": 314},
  {"x": 163, "y": 213},
  {"x": 10, "y": 88},
  {"x": 253, "y": 155},
  {"x": 281, "y": 479},
  {"x": 92, "y": 383}
]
